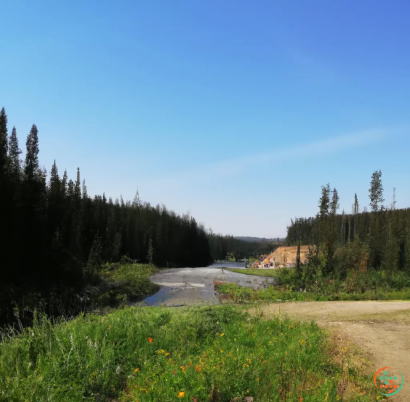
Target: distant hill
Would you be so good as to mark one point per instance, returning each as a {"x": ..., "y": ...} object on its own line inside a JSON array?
[{"x": 258, "y": 239}]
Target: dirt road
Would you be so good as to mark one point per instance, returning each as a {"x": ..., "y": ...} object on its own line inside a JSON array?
[{"x": 382, "y": 329}]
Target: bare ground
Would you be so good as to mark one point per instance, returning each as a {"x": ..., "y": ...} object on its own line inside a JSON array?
[{"x": 381, "y": 329}]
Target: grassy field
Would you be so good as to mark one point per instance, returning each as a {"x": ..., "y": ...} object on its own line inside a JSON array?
[
  {"x": 371, "y": 285},
  {"x": 231, "y": 291},
  {"x": 259, "y": 272},
  {"x": 187, "y": 354}
]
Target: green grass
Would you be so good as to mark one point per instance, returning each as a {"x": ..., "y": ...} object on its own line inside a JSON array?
[
  {"x": 277, "y": 294},
  {"x": 258, "y": 272},
  {"x": 120, "y": 283},
  {"x": 203, "y": 354}
]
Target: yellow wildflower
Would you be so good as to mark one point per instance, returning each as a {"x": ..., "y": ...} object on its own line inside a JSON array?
[
  {"x": 222, "y": 334},
  {"x": 136, "y": 370},
  {"x": 181, "y": 394}
]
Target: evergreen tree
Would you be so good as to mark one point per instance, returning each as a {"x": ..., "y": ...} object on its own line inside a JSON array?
[
  {"x": 6, "y": 198},
  {"x": 376, "y": 191},
  {"x": 393, "y": 204},
  {"x": 324, "y": 201},
  {"x": 31, "y": 165},
  {"x": 335, "y": 202},
  {"x": 14, "y": 156},
  {"x": 355, "y": 207},
  {"x": 3, "y": 144}
]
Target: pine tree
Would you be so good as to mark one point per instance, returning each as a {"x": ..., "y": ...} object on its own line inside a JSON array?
[
  {"x": 3, "y": 145},
  {"x": 376, "y": 191},
  {"x": 6, "y": 201},
  {"x": 324, "y": 201},
  {"x": 31, "y": 163},
  {"x": 335, "y": 202},
  {"x": 55, "y": 183},
  {"x": 137, "y": 201},
  {"x": 393, "y": 204},
  {"x": 33, "y": 209},
  {"x": 355, "y": 205},
  {"x": 14, "y": 156},
  {"x": 77, "y": 188}
]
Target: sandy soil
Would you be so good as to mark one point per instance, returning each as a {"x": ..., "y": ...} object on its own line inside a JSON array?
[{"x": 381, "y": 329}]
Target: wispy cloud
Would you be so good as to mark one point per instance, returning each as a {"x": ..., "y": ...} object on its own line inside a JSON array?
[{"x": 234, "y": 166}]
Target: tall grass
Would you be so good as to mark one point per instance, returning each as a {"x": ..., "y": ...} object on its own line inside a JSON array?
[{"x": 158, "y": 354}]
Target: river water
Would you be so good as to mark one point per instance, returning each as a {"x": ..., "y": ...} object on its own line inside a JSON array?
[{"x": 187, "y": 286}]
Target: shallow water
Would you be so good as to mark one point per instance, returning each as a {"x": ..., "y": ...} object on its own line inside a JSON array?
[{"x": 187, "y": 286}]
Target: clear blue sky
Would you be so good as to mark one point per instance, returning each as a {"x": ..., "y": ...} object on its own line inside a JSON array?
[{"x": 235, "y": 111}]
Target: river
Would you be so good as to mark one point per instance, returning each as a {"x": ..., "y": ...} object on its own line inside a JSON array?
[{"x": 187, "y": 286}]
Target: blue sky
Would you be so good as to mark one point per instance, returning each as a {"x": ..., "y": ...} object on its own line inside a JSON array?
[{"x": 234, "y": 111}]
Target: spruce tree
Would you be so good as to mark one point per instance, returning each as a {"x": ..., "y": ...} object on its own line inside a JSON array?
[
  {"x": 31, "y": 162},
  {"x": 6, "y": 201},
  {"x": 376, "y": 191},
  {"x": 355, "y": 205},
  {"x": 324, "y": 201},
  {"x": 335, "y": 202},
  {"x": 3, "y": 144},
  {"x": 14, "y": 156}
]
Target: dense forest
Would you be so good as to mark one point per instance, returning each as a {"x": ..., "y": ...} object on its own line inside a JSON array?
[
  {"x": 377, "y": 239},
  {"x": 259, "y": 239},
  {"x": 223, "y": 247},
  {"x": 54, "y": 236}
]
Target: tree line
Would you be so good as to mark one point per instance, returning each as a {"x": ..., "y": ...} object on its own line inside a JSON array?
[
  {"x": 223, "y": 246},
  {"x": 54, "y": 236},
  {"x": 376, "y": 239}
]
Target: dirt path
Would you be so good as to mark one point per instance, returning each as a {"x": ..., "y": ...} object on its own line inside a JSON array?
[{"x": 382, "y": 329}]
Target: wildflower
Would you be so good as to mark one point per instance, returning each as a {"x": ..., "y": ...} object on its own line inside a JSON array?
[
  {"x": 264, "y": 362},
  {"x": 183, "y": 369},
  {"x": 300, "y": 399},
  {"x": 136, "y": 370},
  {"x": 173, "y": 373},
  {"x": 302, "y": 341},
  {"x": 198, "y": 368},
  {"x": 222, "y": 334},
  {"x": 161, "y": 351},
  {"x": 257, "y": 379},
  {"x": 245, "y": 365},
  {"x": 181, "y": 394},
  {"x": 167, "y": 354},
  {"x": 150, "y": 340}
]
